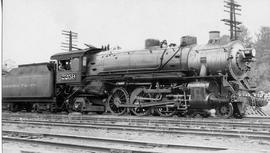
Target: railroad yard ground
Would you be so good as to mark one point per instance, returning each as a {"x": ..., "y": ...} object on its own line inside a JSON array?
[
  {"x": 267, "y": 109},
  {"x": 131, "y": 134}
]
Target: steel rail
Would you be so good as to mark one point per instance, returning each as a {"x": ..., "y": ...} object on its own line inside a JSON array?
[
  {"x": 58, "y": 115},
  {"x": 172, "y": 130},
  {"x": 69, "y": 145},
  {"x": 213, "y": 126},
  {"x": 136, "y": 143},
  {"x": 177, "y": 122},
  {"x": 49, "y": 115},
  {"x": 185, "y": 122}
]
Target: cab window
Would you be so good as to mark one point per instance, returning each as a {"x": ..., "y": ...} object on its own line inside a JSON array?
[
  {"x": 75, "y": 64},
  {"x": 69, "y": 64},
  {"x": 64, "y": 65}
]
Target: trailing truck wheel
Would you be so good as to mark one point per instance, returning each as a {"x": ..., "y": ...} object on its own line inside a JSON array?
[
  {"x": 13, "y": 107},
  {"x": 225, "y": 110},
  {"x": 119, "y": 96},
  {"x": 68, "y": 108},
  {"x": 77, "y": 106},
  {"x": 36, "y": 108},
  {"x": 140, "y": 111}
]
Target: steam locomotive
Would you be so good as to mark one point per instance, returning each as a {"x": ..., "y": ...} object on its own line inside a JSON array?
[{"x": 162, "y": 79}]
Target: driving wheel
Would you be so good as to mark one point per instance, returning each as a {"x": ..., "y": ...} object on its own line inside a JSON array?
[
  {"x": 135, "y": 99},
  {"x": 119, "y": 96}
]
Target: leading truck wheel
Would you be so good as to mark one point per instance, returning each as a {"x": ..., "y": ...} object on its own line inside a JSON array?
[
  {"x": 225, "y": 110},
  {"x": 119, "y": 96}
]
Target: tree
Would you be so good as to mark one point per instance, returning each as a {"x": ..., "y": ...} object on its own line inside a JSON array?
[
  {"x": 244, "y": 36},
  {"x": 260, "y": 71},
  {"x": 224, "y": 39},
  {"x": 262, "y": 43},
  {"x": 262, "y": 46}
]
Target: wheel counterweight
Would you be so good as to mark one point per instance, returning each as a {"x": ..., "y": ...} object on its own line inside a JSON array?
[{"x": 134, "y": 99}]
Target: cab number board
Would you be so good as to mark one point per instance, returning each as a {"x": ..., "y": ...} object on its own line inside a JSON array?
[{"x": 68, "y": 76}]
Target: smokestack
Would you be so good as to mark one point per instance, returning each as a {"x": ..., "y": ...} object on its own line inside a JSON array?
[{"x": 214, "y": 37}]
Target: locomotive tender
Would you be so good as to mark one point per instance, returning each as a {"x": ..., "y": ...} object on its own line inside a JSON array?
[{"x": 166, "y": 79}]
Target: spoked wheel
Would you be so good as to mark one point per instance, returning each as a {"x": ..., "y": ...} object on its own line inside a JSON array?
[
  {"x": 36, "y": 108},
  {"x": 13, "y": 107},
  {"x": 119, "y": 96},
  {"x": 225, "y": 110},
  {"x": 140, "y": 111},
  {"x": 67, "y": 107},
  {"x": 77, "y": 106},
  {"x": 166, "y": 111},
  {"x": 53, "y": 108}
]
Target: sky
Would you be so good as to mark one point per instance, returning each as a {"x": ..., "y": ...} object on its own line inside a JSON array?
[{"x": 32, "y": 28}]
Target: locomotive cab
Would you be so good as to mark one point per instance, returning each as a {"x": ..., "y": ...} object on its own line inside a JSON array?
[
  {"x": 72, "y": 66},
  {"x": 69, "y": 70}
]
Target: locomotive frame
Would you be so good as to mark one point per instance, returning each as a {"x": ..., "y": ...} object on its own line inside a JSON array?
[{"x": 160, "y": 79}]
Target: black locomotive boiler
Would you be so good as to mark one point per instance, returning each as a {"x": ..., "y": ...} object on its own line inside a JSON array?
[{"x": 165, "y": 79}]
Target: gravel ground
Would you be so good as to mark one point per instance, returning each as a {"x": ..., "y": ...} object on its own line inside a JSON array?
[{"x": 234, "y": 144}]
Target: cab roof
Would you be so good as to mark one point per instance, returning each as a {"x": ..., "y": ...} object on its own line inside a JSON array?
[{"x": 75, "y": 53}]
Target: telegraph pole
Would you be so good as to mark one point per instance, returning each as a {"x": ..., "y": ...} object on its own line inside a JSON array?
[
  {"x": 232, "y": 22},
  {"x": 70, "y": 36}
]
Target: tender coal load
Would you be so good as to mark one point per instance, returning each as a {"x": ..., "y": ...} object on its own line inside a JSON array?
[{"x": 149, "y": 43}]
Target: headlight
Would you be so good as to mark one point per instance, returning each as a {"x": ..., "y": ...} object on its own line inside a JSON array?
[{"x": 253, "y": 52}]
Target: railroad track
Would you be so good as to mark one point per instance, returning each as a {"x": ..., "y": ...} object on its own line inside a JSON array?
[
  {"x": 233, "y": 124},
  {"x": 252, "y": 125},
  {"x": 99, "y": 144},
  {"x": 85, "y": 116},
  {"x": 261, "y": 135},
  {"x": 92, "y": 116}
]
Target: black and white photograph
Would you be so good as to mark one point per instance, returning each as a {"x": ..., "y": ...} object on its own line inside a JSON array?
[{"x": 135, "y": 76}]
